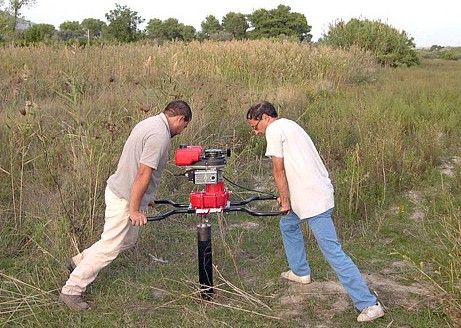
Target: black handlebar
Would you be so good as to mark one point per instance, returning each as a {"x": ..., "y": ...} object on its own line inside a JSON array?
[
  {"x": 251, "y": 212},
  {"x": 253, "y": 198},
  {"x": 170, "y": 202},
  {"x": 169, "y": 213},
  {"x": 234, "y": 207}
]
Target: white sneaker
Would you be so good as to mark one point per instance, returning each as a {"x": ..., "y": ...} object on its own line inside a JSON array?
[
  {"x": 289, "y": 275},
  {"x": 371, "y": 313}
]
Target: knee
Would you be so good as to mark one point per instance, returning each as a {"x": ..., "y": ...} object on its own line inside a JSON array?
[{"x": 331, "y": 248}]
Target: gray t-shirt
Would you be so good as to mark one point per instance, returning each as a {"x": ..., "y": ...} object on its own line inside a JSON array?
[{"x": 149, "y": 144}]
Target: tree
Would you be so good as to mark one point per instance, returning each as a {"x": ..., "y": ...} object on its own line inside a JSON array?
[
  {"x": 73, "y": 26},
  {"x": 435, "y": 48},
  {"x": 154, "y": 29},
  {"x": 70, "y": 31},
  {"x": 391, "y": 47},
  {"x": 5, "y": 23},
  {"x": 188, "y": 33},
  {"x": 172, "y": 29},
  {"x": 94, "y": 26},
  {"x": 14, "y": 9},
  {"x": 169, "y": 29},
  {"x": 210, "y": 26},
  {"x": 235, "y": 24},
  {"x": 39, "y": 33},
  {"x": 277, "y": 22},
  {"x": 123, "y": 24}
]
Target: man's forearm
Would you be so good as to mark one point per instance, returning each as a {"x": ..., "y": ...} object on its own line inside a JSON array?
[
  {"x": 139, "y": 187},
  {"x": 137, "y": 191},
  {"x": 282, "y": 186}
]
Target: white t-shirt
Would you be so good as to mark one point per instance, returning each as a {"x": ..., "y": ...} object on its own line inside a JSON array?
[{"x": 311, "y": 191}]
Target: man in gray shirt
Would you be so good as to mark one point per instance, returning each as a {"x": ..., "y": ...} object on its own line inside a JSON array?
[{"x": 129, "y": 190}]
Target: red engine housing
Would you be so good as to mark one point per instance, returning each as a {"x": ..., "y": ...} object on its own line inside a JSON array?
[
  {"x": 214, "y": 196},
  {"x": 188, "y": 155}
]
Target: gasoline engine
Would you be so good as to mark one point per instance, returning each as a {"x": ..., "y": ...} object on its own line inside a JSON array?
[{"x": 205, "y": 167}]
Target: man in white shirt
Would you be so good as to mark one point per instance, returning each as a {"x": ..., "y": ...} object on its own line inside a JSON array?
[{"x": 306, "y": 194}]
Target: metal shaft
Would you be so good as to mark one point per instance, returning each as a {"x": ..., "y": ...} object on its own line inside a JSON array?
[{"x": 205, "y": 260}]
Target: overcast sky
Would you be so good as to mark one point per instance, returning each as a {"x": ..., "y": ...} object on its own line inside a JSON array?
[{"x": 428, "y": 22}]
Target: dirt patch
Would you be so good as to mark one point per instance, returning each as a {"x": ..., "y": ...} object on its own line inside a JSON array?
[
  {"x": 246, "y": 225},
  {"x": 416, "y": 199},
  {"x": 328, "y": 299},
  {"x": 393, "y": 291},
  {"x": 448, "y": 167}
]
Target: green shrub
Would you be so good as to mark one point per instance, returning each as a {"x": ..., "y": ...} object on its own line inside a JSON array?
[
  {"x": 39, "y": 33},
  {"x": 450, "y": 54},
  {"x": 391, "y": 47}
]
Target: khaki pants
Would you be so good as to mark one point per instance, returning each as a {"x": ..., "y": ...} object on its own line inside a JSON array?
[{"x": 118, "y": 235}]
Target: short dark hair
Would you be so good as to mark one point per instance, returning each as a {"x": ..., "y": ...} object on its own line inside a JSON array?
[
  {"x": 264, "y": 107},
  {"x": 178, "y": 108}
]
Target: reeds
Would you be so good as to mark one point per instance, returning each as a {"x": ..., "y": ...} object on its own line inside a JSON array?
[{"x": 380, "y": 134}]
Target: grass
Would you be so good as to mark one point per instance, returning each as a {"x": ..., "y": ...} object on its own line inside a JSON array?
[{"x": 388, "y": 138}]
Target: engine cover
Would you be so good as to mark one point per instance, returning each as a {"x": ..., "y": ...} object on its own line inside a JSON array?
[{"x": 213, "y": 197}]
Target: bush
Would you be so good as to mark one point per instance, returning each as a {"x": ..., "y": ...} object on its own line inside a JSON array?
[
  {"x": 39, "y": 33},
  {"x": 391, "y": 47},
  {"x": 450, "y": 54}
]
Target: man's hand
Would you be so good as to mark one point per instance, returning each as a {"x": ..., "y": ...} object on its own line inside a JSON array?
[
  {"x": 137, "y": 218},
  {"x": 285, "y": 207}
]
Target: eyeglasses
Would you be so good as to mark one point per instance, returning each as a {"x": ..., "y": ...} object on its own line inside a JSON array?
[{"x": 256, "y": 125}]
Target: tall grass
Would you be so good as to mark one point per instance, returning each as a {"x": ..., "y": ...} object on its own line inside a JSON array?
[{"x": 65, "y": 114}]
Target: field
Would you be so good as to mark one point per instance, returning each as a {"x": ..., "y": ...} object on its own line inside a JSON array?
[{"x": 391, "y": 139}]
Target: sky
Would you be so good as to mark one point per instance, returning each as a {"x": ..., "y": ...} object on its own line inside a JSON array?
[{"x": 428, "y": 22}]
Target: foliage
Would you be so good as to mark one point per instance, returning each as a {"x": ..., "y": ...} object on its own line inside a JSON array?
[
  {"x": 210, "y": 26},
  {"x": 169, "y": 29},
  {"x": 435, "y": 48},
  {"x": 235, "y": 24},
  {"x": 450, "y": 54},
  {"x": 391, "y": 47},
  {"x": 39, "y": 33},
  {"x": 439, "y": 52},
  {"x": 188, "y": 33},
  {"x": 123, "y": 24},
  {"x": 70, "y": 31},
  {"x": 73, "y": 26},
  {"x": 67, "y": 113},
  {"x": 94, "y": 26},
  {"x": 222, "y": 36},
  {"x": 5, "y": 21},
  {"x": 277, "y": 22},
  {"x": 14, "y": 8}
]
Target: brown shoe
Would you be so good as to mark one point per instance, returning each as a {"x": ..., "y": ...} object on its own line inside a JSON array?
[{"x": 75, "y": 302}]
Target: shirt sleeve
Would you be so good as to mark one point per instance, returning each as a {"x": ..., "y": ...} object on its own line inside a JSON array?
[
  {"x": 153, "y": 151},
  {"x": 274, "y": 141}
]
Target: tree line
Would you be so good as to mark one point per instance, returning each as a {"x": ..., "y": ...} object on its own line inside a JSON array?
[
  {"x": 123, "y": 25},
  {"x": 390, "y": 46}
]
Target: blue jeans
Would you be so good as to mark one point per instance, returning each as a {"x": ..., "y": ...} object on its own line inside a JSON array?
[{"x": 325, "y": 233}]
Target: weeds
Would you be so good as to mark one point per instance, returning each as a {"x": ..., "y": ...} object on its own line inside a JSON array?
[{"x": 381, "y": 134}]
